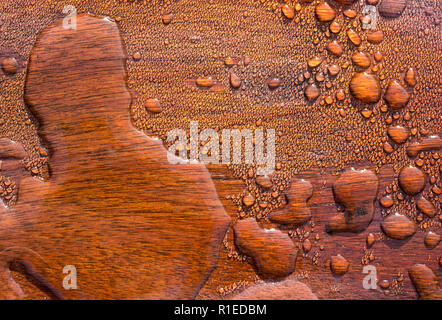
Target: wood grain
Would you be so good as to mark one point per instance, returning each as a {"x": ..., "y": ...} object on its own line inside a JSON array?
[
  {"x": 133, "y": 225},
  {"x": 138, "y": 227}
]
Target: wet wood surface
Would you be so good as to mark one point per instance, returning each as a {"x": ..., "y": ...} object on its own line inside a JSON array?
[
  {"x": 86, "y": 180},
  {"x": 133, "y": 225}
]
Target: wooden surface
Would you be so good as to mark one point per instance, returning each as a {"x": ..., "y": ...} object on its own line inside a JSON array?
[
  {"x": 134, "y": 226},
  {"x": 85, "y": 179}
]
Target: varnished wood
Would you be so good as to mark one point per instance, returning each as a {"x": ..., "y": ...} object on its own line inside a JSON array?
[{"x": 134, "y": 226}]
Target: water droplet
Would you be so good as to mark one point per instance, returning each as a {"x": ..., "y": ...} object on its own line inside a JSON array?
[
  {"x": 339, "y": 265},
  {"x": 235, "y": 81},
  {"x": 311, "y": 92},
  {"x": 412, "y": 180},
  {"x": 229, "y": 62},
  {"x": 386, "y": 202},
  {"x": 350, "y": 13},
  {"x": 314, "y": 62},
  {"x": 398, "y": 134},
  {"x": 432, "y": 240},
  {"x": 257, "y": 243},
  {"x": 9, "y": 65},
  {"x": 396, "y": 96},
  {"x": 248, "y": 200},
  {"x": 334, "y": 70},
  {"x": 335, "y": 48},
  {"x": 392, "y": 8},
  {"x": 288, "y": 11},
  {"x": 365, "y": 87},
  {"x": 136, "y": 56},
  {"x": 354, "y": 37},
  {"x": 360, "y": 59},
  {"x": 167, "y": 18},
  {"x": 433, "y": 142},
  {"x": 306, "y": 245},
  {"x": 375, "y": 37},
  {"x": 356, "y": 190},
  {"x": 410, "y": 77},
  {"x": 264, "y": 182},
  {"x": 370, "y": 239},
  {"x": 297, "y": 211},
  {"x": 153, "y": 105},
  {"x": 398, "y": 227},
  {"x": 426, "y": 282},
  {"x": 335, "y": 27},
  {"x": 426, "y": 207},
  {"x": 324, "y": 12},
  {"x": 273, "y": 83},
  {"x": 205, "y": 82}
]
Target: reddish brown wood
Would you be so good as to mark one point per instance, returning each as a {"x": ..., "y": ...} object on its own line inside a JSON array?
[
  {"x": 136, "y": 226},
  {"x": 133, "y": 225}
]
